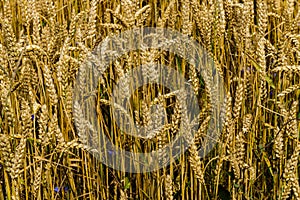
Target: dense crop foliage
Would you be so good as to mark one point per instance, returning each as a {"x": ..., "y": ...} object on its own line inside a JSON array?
[{"x": 256, "y": 49}]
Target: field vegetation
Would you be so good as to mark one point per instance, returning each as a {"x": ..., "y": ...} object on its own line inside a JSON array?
[{"x": 255, "y": 45}]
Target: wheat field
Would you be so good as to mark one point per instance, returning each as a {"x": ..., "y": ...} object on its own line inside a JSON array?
[{"x": 255, "y": 46}]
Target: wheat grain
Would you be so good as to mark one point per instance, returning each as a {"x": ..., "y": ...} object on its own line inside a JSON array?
[{"x": 168, "y": 187}]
